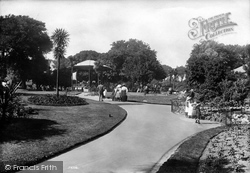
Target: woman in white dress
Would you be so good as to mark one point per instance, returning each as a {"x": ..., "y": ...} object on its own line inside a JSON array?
[
  {"x": 190, "y": 109},
  {"x": 187, "y": 106},
  {"x": 118, "y": 92}
]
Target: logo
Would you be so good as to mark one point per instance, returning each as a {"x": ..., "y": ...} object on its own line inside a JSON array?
[{"x": 208, "y": 29}]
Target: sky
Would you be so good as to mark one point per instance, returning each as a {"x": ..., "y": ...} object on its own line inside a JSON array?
[{"x": 163, "y": 24}]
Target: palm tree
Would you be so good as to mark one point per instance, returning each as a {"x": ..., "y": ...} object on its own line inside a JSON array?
[{"x": 60, "y": 39}]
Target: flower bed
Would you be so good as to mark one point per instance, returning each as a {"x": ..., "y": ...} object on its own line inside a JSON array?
[
  {"x": 53, "y": 100},
  {"x": 227, "y": 152},
  {"x": 241, "y": 119},
  {"x": 226, "y": 115}
]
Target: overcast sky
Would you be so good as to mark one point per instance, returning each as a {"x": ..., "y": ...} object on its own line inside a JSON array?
[{"x": 163, "y": 24}]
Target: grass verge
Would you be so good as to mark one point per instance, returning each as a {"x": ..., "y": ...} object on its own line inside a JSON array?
[
  {"x": 186, "y": 157},
  {"x": 151, "y": 98},
  {"x": 54, "y": 130}
]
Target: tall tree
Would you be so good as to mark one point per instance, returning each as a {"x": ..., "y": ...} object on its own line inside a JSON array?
[
  {"x": 210, "y": 63},
  {"x": 23, "y": 43},
  {"x": 247, "y": 60},
  {"x": 60, "y": 39},
  {"x": 133, "y": 60},
  {"x": 181, "y": 72},
  {"x": 86, "y": 55}
]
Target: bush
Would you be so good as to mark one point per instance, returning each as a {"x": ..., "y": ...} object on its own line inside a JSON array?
[
  {"x": 53, "y": 100},
  {"x": 10, "y": 106}
]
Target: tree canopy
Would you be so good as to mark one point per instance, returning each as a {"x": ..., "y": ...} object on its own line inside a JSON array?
[
  {"x": 60, "y": 39},
  {"x": 211, "y": 63},
  {"x": 132, "y": 60},
  {"x": 23, "y": 43}
]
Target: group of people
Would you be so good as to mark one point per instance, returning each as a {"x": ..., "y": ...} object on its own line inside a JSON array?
[
  {"x": 192, "y": 107},
  {"x": 120, "y": 93}
]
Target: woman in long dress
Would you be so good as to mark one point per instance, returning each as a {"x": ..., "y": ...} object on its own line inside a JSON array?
[
  {"x": 187, "y": 106},
  {"x": 118, "y": 92},
  {"x": 190, "y": 109}
]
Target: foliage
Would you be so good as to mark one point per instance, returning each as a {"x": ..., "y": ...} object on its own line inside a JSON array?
[
  {"x": 9, "y": 103},
  {"x": 79, "y": 57},
  {"x": 209, "y": 70},
  {"x": 175, "y": 77},
  {"x": 85, "y": 55},
  {"x": 53, "y": 100},
  {"x": 247, "y": 60},
  {"x": 24, "y": 41},
  {"x": 132, "y": 60},
  {"x": 168, "y": 70},
  {"x": 60, "y": 39},
  {"x": 181, "y": 72},
  {"x": 65, "y": 81}
]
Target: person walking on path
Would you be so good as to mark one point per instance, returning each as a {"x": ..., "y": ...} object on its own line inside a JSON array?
[
  {"x": 100, "y": 88},
  {"x": 146, "y": 89},
  {"x": 198, "y": 112},
  {"x": 124, "y": 91},
  {"x": 118, "y": 92},
  {"x": 187, "y": 102},
  {"x": 190, "y": 108}
]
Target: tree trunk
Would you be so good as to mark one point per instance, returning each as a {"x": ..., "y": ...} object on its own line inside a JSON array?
[
  {"x": 72, "y": 77},
  {"x": 57, "y": 76}
]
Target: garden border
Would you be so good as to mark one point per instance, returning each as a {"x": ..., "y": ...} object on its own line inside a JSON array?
[{"x": 177, "y": 162}]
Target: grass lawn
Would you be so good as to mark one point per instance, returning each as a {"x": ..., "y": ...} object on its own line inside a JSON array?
[
  {"x": 54, "y": 130},
  {"x": 150, "y": 98},
  {"x": 186, "y": 158}
]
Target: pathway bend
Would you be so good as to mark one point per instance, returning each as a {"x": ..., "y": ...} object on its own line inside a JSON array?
[{"x": 134, "y": 146}]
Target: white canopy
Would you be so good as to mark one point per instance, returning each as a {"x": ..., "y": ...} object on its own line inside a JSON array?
[{"x": 86, "y": 65}]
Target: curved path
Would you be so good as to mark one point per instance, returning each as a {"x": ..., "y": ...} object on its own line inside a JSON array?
[{"x": 134, "y": 146}]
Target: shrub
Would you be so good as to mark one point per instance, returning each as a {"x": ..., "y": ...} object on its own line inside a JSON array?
[
  {"x": 53, "y": 100},
  {"x": 9, "y": 103}
]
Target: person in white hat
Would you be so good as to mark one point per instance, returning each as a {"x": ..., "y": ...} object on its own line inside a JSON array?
[{"x": 118, "y": 92}]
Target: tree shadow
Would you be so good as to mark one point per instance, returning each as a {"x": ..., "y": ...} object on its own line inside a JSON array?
[{"x": 28, "y": 129}]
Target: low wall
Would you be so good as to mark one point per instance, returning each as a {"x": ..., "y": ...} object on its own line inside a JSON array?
[{"x": 226, "y": 116}]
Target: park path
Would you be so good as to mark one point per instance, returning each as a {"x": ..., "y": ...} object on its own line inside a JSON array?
[{"x": 134, "y": 146}]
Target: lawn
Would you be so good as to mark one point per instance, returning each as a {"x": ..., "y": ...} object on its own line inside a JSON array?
[
  {"x": 164, "y": 99},
  {"x": 52, "y": 130},
  {"x": 149, "y": 98}
]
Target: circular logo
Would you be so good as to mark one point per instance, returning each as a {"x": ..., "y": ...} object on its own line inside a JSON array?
[{"x": 7, "y": 167}]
